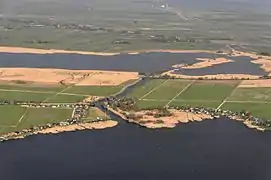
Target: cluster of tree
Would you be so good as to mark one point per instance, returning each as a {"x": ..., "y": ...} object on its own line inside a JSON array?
[
  {"x": 133, "y": 116},
  {"x": 125, "y": 104},
  {"x": 162, "y": 112}
]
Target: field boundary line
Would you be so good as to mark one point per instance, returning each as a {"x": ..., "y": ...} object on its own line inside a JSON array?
[
  {"x": 155, "y": 88},
  {"x": 177, "y": 95},
  {"x": 225, "y": 100},
  {"x": 22, "y": 117},
  {"x": 186, "y": 100},
  {"x": 72, "y": 94},
  {"x": 179, "y": 100},
  {"x": 6, "y": 126},
  {"x": 26, "y": 91},
  {"x": 41, "y": 92},
  {"x": 256, "y": 102}
]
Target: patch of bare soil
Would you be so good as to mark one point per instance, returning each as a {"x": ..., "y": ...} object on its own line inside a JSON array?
[
  {"x": 62, "y": 76},
  {"x": 147, "y": 118},
  {"x": 206, "y": 62},
  {"x": 256, "y": 83}
]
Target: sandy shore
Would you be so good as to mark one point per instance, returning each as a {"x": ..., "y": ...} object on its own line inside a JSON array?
[
  {"x": 216, "y": 76},
  {"x": 250, "y": 125},
  {"x": 8, "y": 49},
  {"x": 169, "y": 51},
  {"x": 78, "y": 127},
  {"x": 73, "y": 127},
  {"x": 50, "y": 51},
  {"x": 63, "y": 76},
  {"x": 206, "y": 62},
  {"x": 265, "y": 63}
]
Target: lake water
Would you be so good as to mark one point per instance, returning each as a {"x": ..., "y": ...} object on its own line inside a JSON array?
[
  {"x": 209, "y": 150},
  {"x": 145, "y": 62}
]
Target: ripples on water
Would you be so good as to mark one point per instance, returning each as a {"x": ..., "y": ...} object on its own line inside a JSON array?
[{"x": 209, "y": 150}]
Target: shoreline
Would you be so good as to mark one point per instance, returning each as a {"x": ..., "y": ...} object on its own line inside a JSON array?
[
  {"x": 170, "y": 73},
  {"x": 27, "y": 50},
  {"x": 206, "y": 62},
  {"x": 60, "y": 129},
  {"x": 183, "y": 116}
]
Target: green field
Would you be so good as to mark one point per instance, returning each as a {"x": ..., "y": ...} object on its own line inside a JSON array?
[
  {"x": 206, "y": 104},
  {"x": 94, "y": 90},
  {"x": 159, "y": 92},
  {"x": 251, "y": 94},
  {"x": 41, "y": 116},
  {"x": 203, "y": 93},
  {"x": 55, "y": 94},
  {"x": 144, "y": 104},
  {"x": 208, "y": 90},
  {"x": 60, "y": 98},
  {"x": 10, "y": 115},
  {"x": 146, "y": 88},
  {"x": 257, "y": 109},
  {"x": 15, "y": 118},
  {"x": 24, "y": 96},
  {"x": 168, "y": 90},
  {"x": 29, "y": 87}
]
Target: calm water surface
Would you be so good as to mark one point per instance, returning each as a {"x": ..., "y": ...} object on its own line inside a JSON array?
[
  {"x": 145, "y": 62},
  {"x": 208, "y": 150}
]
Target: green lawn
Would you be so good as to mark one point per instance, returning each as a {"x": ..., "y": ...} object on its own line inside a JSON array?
[
  {"x": 145, "y": 88},
  {"x": 251, "y": 94},
  {"x": 168, "y": 90},
  {"x": 10, "y": 115},
  {"x": 195, "y": 104},
  {"x": 208, "y": 90},
  {"x": 94, "y": 90},
  {"x": 256, "y": 109},
  {"x": 41, "y": 116}
]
